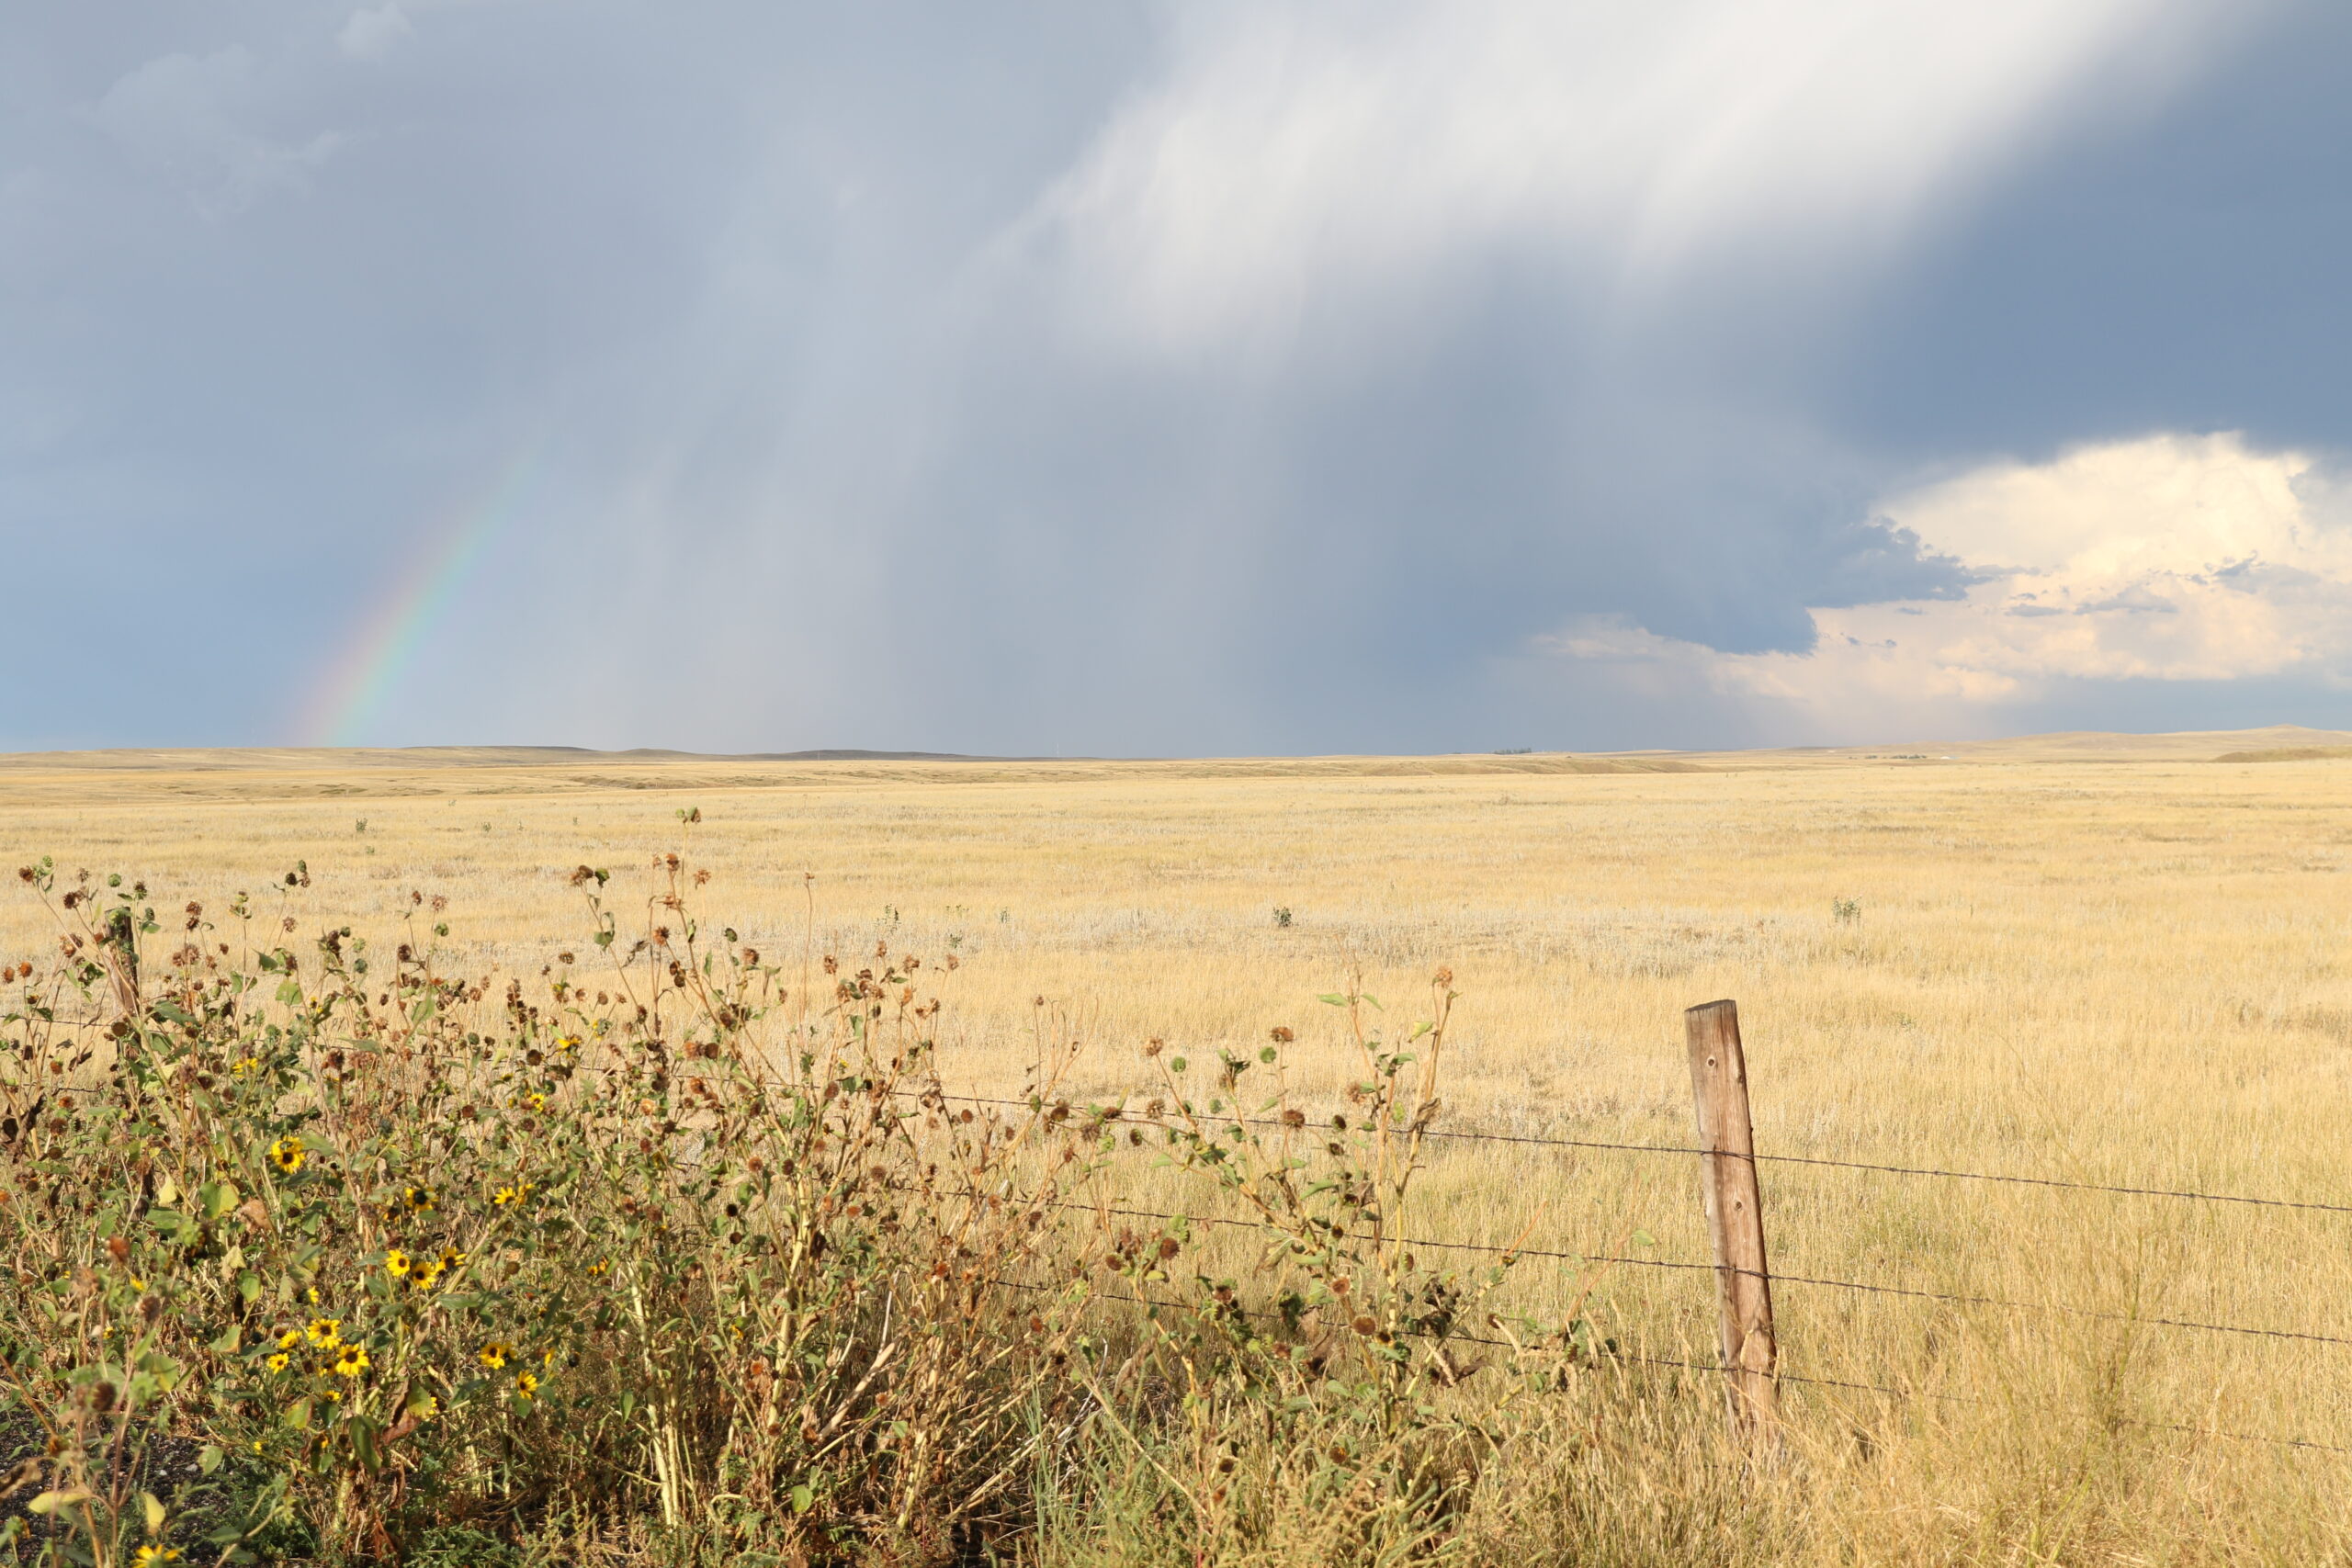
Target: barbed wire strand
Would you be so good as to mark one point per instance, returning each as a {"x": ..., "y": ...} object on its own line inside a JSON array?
[
  {"x": 1530, "y": 1140},
  {"x": 1857, "y": 1285},
  {"x": 1781, "y": 1160},
  {"x": 1611, "y": 1357}
]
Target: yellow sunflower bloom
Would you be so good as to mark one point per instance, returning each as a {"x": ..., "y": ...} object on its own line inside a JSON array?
[
  {"x": 288, "y": 1154},
  {"x": 494, "y": 1354},
  {"x": 526, "y": 1385},
  {"x": 326, "y": 1333},
  {"x": 395, "y": 1262}
]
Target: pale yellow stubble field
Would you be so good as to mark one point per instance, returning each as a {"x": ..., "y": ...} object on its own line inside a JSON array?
[{"x": 2130, "y": 969}]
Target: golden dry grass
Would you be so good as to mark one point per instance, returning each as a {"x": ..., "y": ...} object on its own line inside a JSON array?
[{"x": 2083, "y": 958}]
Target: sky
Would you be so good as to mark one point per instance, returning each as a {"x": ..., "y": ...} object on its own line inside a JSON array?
[{"x": 1172, "y": 377}]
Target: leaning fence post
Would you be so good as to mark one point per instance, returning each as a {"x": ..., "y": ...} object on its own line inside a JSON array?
[{"x": 1735, "y": 1215}]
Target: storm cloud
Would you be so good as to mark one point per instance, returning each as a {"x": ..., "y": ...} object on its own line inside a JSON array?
[{"x": 1173, "y": 378}]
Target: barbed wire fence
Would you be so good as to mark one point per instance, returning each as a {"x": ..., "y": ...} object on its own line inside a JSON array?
[{"x": 1749, "y": 1359}]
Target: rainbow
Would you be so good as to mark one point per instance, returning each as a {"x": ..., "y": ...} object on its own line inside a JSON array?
[{"x": 389, "y": 637}]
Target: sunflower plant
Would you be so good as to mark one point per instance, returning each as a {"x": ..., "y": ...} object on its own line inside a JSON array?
[{"x": 393, "y": 1249}]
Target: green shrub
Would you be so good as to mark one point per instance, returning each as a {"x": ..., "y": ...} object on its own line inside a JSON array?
[{"x": 404, "y": 1264}]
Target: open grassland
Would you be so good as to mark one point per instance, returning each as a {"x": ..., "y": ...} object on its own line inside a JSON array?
[{"x": 2091, "y": 960}]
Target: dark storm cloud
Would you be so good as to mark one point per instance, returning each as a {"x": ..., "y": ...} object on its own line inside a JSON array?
[
  {"x": 895, "y": 376},
  {"x": 2179, "y": 272}
]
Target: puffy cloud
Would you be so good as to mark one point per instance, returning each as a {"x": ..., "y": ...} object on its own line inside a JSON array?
[{"x": 2184, "y": 559}]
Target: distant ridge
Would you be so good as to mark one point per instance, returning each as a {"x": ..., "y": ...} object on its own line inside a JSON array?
[
  {"x": 205, "y": 758},
  {"x": 835, "y": 754},
  {"x": 856, "y": 756},
  {"x": 2277, "y": 742},
  {"x": 125, "y": 776},
  {"x": 503, "y": 769},
  {"x": 2287, "y": 754}
]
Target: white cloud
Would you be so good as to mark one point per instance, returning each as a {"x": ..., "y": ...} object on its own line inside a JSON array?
[
  {"x": 369, "y": 35},
  {"x": 182, "y": 117},
  {"x": 2173, "y": 558},
  {"x": 1296, "y": 148}
]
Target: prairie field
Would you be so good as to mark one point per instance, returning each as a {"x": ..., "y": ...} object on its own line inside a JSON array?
[{"x": 2098, "y": 960}]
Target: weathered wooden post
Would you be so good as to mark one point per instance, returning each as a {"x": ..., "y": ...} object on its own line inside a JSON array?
[
  {"x": 1735, "y": 1216},
  {"x": 119, "y": 947}
]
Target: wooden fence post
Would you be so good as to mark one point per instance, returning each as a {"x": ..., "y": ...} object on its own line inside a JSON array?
[
  {"x": 119, "y": 947},
  {"x": 1735, "y": 1215}
]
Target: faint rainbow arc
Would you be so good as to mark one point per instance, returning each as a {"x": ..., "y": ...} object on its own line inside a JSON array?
[{"x": 372, "y": 662}]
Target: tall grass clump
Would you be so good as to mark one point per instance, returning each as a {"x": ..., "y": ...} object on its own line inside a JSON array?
[{"x": 676, "y": 1252}]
